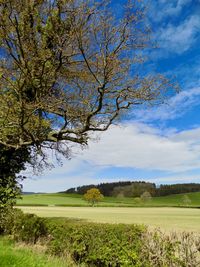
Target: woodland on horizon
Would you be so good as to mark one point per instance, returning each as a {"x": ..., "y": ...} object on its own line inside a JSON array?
[{"x": 136, "y": 188}]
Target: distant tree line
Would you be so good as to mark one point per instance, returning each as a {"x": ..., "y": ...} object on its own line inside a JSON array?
[
  {"x": 105, "y": 188},
  {"x": 165, "y": 190},
  {"x": 136, "y": 188}
]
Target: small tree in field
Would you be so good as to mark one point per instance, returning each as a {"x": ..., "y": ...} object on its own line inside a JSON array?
[
  {"x": 186, "y": 200},
  {"x": 93, "y": 196},
  {"x": 145, "y": 197}
]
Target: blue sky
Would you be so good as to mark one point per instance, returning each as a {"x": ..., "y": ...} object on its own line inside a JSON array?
[{"x": 158, "y": 144}]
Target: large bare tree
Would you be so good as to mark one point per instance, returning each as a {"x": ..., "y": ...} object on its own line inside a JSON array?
[{"x": 69, "y": 67}]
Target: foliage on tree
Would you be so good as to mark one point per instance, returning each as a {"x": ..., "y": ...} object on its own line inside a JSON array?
[
  {"x": 145, "y": 197},
  {"x": 93, "y": 196},
  {"x": 68, "y": 68},
  {"x": 135, "y": 189},
  {"x": 128, "y": 188},
  {"x": 11, "y": 163},
  {"x": 105, "y": 188}
]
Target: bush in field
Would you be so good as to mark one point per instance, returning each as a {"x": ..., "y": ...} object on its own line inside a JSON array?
[
  {"x": 93, "y": 196},
  {"x": 186, "y": 200},
  {"x": 137, "y": 200},
  {"x": 145, "y": 197}
]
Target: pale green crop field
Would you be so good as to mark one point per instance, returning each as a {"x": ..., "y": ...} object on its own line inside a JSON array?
[{"x": 184, "y": 219}]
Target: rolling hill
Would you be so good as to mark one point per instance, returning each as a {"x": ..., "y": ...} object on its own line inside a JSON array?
[{"x": 62, "y": 199}]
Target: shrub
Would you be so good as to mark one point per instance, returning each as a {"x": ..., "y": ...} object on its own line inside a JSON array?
[
  {"x": 97, "y": 244},
  {"x": 186, "y": 200},
  {"x": 29, "y": 228},
  {"x": 8, "y": 217},
  {"x": 170, "y": 249},
  {"x": 145, "y": 197},
  {"x": 4, "y": 219}
]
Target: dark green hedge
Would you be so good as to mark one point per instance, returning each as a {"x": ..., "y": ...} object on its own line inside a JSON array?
[
  {"x": 23, "y": 227},
  {"x": 97, "y": 244},
  {"x": 92, "y": 243}
]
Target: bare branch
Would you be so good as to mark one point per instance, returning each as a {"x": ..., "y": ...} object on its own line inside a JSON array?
[{"x": 69, "y": 68}]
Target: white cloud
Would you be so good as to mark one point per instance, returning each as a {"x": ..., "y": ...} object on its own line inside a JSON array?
[
  {"x": 47, "y": 185},
  {"x": 175, "y": 107},
  {"x": 132, "y": 145},
  {"x": 177, "y": 178},
  {"x": 161, "y": 9},
  {"x": 178, "y": 39},
  {"x": 139, "y": 147},
  {"x": 190, "y": 136}
]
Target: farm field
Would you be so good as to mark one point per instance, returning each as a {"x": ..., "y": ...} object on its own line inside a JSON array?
[
  {"x": 61, "y": 199},
  {"x": 170, "y": 219},
  {"x": 52, "y": 199},
  {"x": 164, "y": 212}
]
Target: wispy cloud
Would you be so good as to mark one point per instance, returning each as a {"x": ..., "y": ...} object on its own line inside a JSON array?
[
  {"x": 45, "y": 184},
  {"x": 140, "y": 146},
  {"x": 161, "y": 9},
  {"x": 175, "y": 107},
  {"x": 179, "y": 38},
  {"x": 176, "y": 178}
]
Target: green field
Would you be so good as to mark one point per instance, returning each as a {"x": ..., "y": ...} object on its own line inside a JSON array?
[
  {"x": 16, "y": 256},
  {"x": 165, "y": 218},
  {"x": 165, "y": 212},
  {"x": 52, "y": 199},
  {"x": 61, "y": 199}
]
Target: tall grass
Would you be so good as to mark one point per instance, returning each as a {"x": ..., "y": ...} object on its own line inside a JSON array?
[{"x": 12, "y": 255}]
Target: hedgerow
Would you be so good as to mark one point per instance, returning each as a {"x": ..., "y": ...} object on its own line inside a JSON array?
[
  {"x": 97, "y": 244},
  {"x": 109, "y": 245}
]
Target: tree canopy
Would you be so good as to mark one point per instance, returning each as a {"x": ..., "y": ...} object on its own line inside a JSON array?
[
  {"x": 93, "y": 196},
  {"x": 69, "y": 67}
]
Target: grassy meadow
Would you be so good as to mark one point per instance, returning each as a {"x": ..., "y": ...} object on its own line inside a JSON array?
[
  {"x": 61, "y": 199},
  {"x": 12, "y": 255}
]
